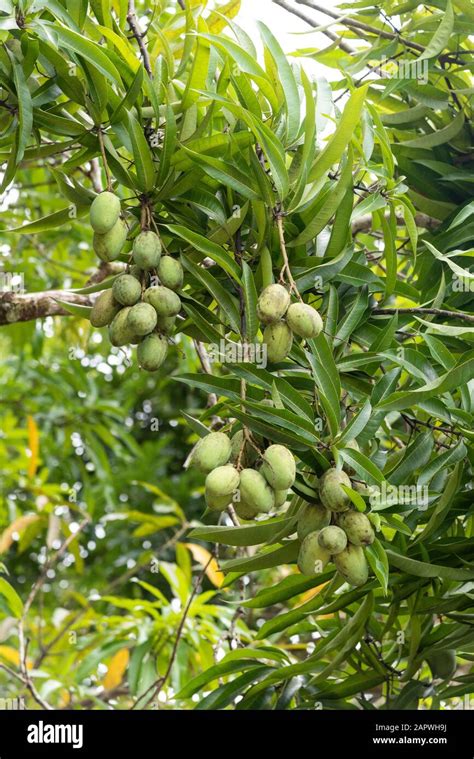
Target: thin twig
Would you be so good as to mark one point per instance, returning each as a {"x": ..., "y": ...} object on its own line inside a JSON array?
[
  {"x": 135, "y": 29},
  {"x": 157, "y": 686},
  {"x": 435, "y": 311},
  {"x": 23, "y": 643}
]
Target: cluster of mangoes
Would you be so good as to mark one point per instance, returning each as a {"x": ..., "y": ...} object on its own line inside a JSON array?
[
  {"x": 136, "y": 310},
  {"x": 333, "y": 531},
  {"x": 283, "y": 319},
  {"x": 238, "y": 475}
]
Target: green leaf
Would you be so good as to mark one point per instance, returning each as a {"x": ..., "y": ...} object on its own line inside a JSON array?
[
  {"x": 342, "y": 136},
  {"x": 208, "y": 248},
  {"x": 423, "y": 569},
  {"x": 250, "y": 298},
  {"x": 142, "y": 155},
  {"x": 12, "y": 598},
  {"x": 199, "y": 68},
  {"x": 440, "y": 137},
  {"x": 247, "y": 535},
  {"x": 441, "y": 37},
  {"x": 75, "y": 309},
  {"x": 288, "y": 82}
]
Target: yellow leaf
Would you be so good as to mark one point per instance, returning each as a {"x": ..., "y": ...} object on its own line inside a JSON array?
[
  {"x": 203, "y": 557},
  {"x": 33, "y": 445},
  {"x": 9, "y": 654},
  {"x": 118, "y": 665},
  {"x": 6, "y": 538},
  {"x": 218, "y": 21}
]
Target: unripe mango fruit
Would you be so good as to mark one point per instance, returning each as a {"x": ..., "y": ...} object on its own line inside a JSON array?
[
  {"x": 249, "y": 454},
  {"x": 312, "y": 517},
  {"x": 166, "y": 324},
  {"x": 352, "y": 565},
  {"x": 443, "y": 663},
  {"x": 142, "y": 319},
  {"x": 280, "y": 497},
  {"x": 211, "y": 451},
  {"x": 151, "y": 352},
  {"x": 304, "y": 320},
  {"x": 164, "y": 301},
  {"x": 104, "y": 309},
  {"x": 104, "y": 212},
  {"x": 147, "y": 250},
  {"x": 170, "y": 273},
  {"x": 255, "y": 491},
  {"x": 357, "y": 527},
  {"x": 108, "y": 246},
  {"x": 223, "y": 480},
  {"x": 273, "y": 304},
  {"x": 333, "y": 539},
  {"x": 120, "y": 332},
  {"x": 312, "y": 558},
  {"x": 330, "y": 491},
  {"x": 126, "y": 290},
  {"x": 244, "y": 511},
  {"x": 279, "y": 468},
  {"x": 278, "y": 339}
]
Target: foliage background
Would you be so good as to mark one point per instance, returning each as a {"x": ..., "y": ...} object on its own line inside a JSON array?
[{"x": 94, "y": 501}]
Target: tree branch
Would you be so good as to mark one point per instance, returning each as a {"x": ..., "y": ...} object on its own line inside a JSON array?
[
  {"x": 135, "y": 29},
  {"x": 364, "y": 223},
  {"x": 436, "y": 311},
  {"x": 24, "y": 307}
]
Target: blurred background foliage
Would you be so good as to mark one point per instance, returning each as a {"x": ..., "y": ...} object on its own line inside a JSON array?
[{"x": 133, "y": 613}]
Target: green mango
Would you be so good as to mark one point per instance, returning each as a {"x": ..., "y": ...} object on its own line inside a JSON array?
[
  {"x": 357, "y": 527},
  {"x": 278, "y": 339},
  {"x": 443, "y": 663},
  {"x": 142, "y": 319},
  {"x": 304, "y": 320},
  {"x": 273, "y": 304},
  {"x": 147, "y": 250},
  {"x": 352, "y": 565},
  {"x": 211, "y": 451},
  {"x": 333, "y": 539},
  {"x": 255, "y": 491},
  {"x": 104, "y": 212},
  {"x": 170, "y": 273},
  {"x": 312, "y": 517},
  {"x": 126, "y": 290},
  {"x": 312, "y": 558},
  {"x": 152, "y": 352},
  {"x": 104, "y": 309},
  {"x": 164, "y": 301},
  {"x": 279, "y": 467},
  {"x": 330, "y": 491},
  {"x": 108, "y": 246}
]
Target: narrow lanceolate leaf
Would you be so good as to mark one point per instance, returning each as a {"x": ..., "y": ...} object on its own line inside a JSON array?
[
  {"x": 441, "y": 37},
  {"x": 288, "y": 82},
  {"x": 12, "y": 598},
  {"x": 440, "y": 137},
  {"x": 52, "y": 221},
  {"x": 248, "y": 535},
  {"x": 208, "y": 248},
  {"x": 200, "y": 66},
  {"x": 222, "y": 297},
  {"x": 342, "y": 136},
  {"x": 91, "y": 51},
  {"x": 250, "y": 299},
  {"x": 142, "y": 156},
  {"x": 75, "y": 309},
  {"x": 25, "y": 110},
  {"x": 455, "y": 378},
  {"x": 425, "y": 569}
]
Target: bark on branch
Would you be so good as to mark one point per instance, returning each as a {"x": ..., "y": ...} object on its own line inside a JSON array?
[{"x": 19, "y": 307}]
